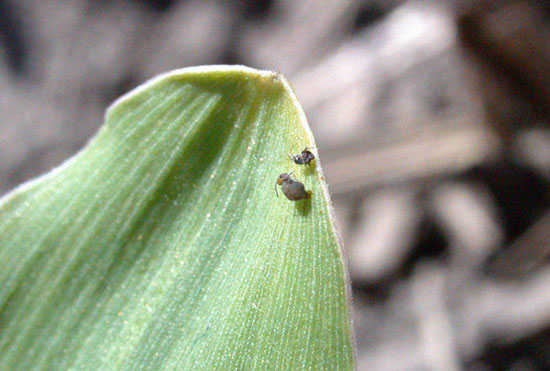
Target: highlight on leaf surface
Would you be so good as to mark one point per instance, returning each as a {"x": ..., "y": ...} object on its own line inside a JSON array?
[{"x": 161, "y": 245}]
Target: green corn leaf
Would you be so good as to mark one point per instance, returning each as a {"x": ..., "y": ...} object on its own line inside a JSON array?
[{"x": 162, "y": 245}]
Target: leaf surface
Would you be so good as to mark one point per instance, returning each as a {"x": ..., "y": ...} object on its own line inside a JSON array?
[{"x": 162, "y": 244}]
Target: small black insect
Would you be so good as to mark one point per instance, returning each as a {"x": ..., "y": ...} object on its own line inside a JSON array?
[
  {"x": 292, "y": 189},
  {"x": 303, "y": 158}
]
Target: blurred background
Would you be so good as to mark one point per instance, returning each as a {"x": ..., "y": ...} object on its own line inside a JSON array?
[{"x": 432, "y": 122}]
